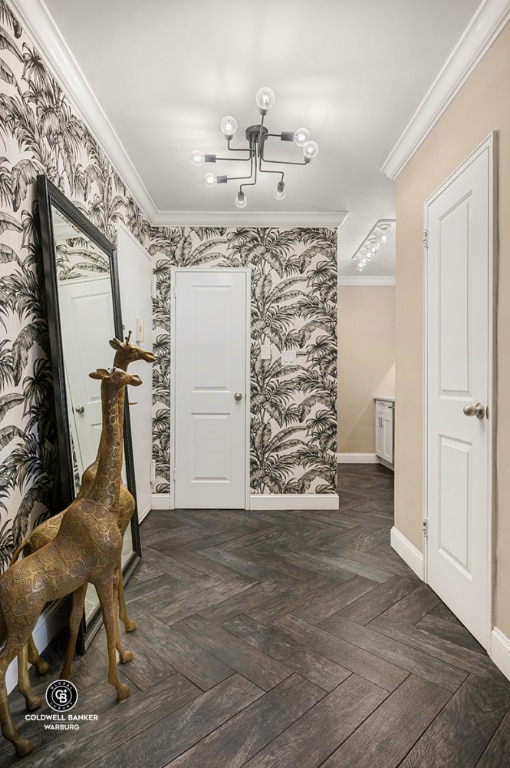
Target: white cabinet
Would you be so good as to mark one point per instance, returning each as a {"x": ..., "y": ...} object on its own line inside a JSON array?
[{"x": 384, "y": 430}]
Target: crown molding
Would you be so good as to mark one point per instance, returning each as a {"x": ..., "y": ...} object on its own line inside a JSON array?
[
  {"x": 479, "y": 35},
  {"x": 40, "y": 25},
  {"x": 249, "y": 219},
  {"x": 367, "y": 280}
]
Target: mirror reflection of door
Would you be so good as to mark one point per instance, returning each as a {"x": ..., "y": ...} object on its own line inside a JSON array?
[
  {"x": 85, "y": 305},
  {"x": 87, "y": 325}
]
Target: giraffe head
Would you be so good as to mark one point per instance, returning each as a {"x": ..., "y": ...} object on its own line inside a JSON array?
[
  {"x": 116, "y": 378},
  {"x": 128, "y": 353}
]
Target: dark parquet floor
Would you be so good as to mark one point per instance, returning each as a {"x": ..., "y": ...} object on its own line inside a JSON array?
[{"x": 282, "y": 640}]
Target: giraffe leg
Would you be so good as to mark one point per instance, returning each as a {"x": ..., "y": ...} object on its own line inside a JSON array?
[
  {"x": 105, "y": 591},
  {"x": 22, "y": 746},
  {"x": 74, "y": 626},
  {"x": 124, "y": 656},
  {"x": 123, "y": 615},
  {"x": 34, "y": 658},
  {"x": 24, "y": 687}
]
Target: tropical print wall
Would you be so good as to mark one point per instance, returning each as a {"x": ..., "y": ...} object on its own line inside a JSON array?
[
  {"x": 293, "y": 306},
  {"x": 293, "y": 411}
]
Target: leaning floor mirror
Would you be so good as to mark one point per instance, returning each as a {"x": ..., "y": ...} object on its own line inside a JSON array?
[{"x": 83, "y": 301}]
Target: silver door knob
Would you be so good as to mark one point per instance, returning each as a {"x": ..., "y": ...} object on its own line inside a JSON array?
[
  {"x": 238, "y": 396},
  {"x": 477, "y": 410},
  {"x": 79, "y": 409}
]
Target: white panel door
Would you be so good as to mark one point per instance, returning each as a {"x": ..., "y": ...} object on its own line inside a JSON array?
[
  {"x": 86, "y": 304},
  {"x": 135, "y": 282},
  {"x": 459, "y": 319},
  {"x": 210, "y": 331}
]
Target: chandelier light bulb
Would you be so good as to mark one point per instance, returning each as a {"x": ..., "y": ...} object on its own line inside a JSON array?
[
  {"x": 384, "y": 238},
  {"x": 210, "y": 179},
  {"x": 310, "y": 150},
  {"x": 241, "y": 200},
  {"x": 301, "y": 136},
  {"x": 228, "y": 126},
  {"x": 265, "y": 99},
  {"x": 197, "y": 158},
  {"x": 280, "y": 192}
]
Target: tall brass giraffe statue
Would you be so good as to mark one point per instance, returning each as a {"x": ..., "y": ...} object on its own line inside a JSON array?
[
  {"x": 125, "y": 353},
  {"x": 87, "y": 548}
]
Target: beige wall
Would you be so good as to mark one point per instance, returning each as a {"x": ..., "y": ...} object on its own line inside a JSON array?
[
  {"x": 482, "y": 106},
  {"x": 366, "y": 361}
]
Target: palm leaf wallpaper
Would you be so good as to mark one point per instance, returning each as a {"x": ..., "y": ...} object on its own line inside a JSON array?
[{"x": 293, "y": 304}]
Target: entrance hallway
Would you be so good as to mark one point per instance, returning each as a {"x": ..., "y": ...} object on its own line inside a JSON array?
[{"x": 283, "y": 640}]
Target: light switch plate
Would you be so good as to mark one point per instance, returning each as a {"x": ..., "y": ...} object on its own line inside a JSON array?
[
  {"x": 288, "y": 356},
  {"x": 265, "y": 352}
]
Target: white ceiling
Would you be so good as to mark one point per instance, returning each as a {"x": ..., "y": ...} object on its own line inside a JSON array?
[{"x": 353, "y": 71}]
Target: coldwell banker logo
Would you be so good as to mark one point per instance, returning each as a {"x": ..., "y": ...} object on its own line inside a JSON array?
[{"x": 61, "y": 695}]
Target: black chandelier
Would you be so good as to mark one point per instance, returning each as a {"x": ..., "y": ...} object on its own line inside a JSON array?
[{"x": 256, "y": 136}]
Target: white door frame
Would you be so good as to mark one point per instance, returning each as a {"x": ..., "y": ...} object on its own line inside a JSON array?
[
  {"x": 173, "y": 399},
  {"x": 490, "y": 144}
]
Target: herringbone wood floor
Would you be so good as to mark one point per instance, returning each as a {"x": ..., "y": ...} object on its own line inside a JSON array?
[{"x": 283, "y": 640}]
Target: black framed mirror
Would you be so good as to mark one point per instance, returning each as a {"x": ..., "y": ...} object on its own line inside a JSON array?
[{"x": 84, "y": 313}]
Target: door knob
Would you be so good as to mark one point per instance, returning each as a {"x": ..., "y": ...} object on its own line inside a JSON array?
[
  {"x": 477, "y": 410},
  {"x": 238, "y": 396},
  {"x": 79, "y": 409}
]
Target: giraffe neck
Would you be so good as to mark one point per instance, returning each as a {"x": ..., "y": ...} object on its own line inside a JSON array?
[{"x": 107, "y": 481}]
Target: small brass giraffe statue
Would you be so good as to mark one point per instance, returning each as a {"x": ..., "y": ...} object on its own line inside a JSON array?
[{"x": 87, "y": 548}]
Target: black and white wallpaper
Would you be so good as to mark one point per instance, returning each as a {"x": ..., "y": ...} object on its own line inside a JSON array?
[{"x": 293, "y": 415}]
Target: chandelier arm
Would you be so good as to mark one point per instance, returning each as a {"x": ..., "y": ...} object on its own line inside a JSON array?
[
  {"x": 266, "y": 170},
  {"x": 284, "y": 162},
  {"x": 234, "y": 159}
]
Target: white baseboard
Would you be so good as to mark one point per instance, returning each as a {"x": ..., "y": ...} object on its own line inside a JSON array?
[
  {"x": 280, "y": 501},
  {"x": 142, "y": 514},
  {"x": 408, "y": 552},
  {"x": 161, "y": 501},
  {"x": 357, "y": 458},
  {"x": 500, "y": 651},
  {"x": 50, "y": 622}
]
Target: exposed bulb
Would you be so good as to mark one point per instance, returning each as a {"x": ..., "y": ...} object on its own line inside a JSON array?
[
  {"x": 210, "y": 179},
  {"x": 197, "y": 158},
  {"x": 280, "y": 192},
  {"x": 384, "y": 238},
  {"x": 301, "y": 136},
  {"x": 310, "y": 150},
  {"x": 228, "y": 126},
  {"x": 241, "y": 200},
  {"x": 265, "y": 99}
]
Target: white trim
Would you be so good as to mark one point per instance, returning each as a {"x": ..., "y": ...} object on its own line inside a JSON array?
[
  {"x": 143, "y": 514},
  {"x": 489, "y": 145},
  {"x": 48, "y": 625},
  {"x": 368, "y": 280},
  {"x": 41, "y": 26},
  {"x": 357, "y": 458},
  {"x": 408, "y": 552},
  {"x": 39, "y": 23},
  {"x": 479, "y": 35},
  {"x": 500, "y": 651},
  {"x": 249, "y": 219},
  {"x": 303, "y": 501},
  {"x": 162, "y": 501}
]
